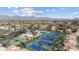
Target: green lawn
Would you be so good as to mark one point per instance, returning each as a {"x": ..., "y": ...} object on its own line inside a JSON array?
[{"x": 2, "y": 32}]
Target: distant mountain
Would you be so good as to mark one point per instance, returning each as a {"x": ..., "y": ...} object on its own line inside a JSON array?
[{"x": 5, "y": 17}]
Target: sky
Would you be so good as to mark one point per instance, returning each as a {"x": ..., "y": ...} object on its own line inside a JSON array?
[{"x": 53, "y": 12}]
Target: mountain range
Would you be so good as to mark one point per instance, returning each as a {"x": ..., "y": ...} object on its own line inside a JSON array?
[{"x": 6, "y": 17}]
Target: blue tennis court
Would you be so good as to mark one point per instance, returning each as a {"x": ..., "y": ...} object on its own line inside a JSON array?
[
  {"x": 36, "y": 47},
  {"x": 44, "y": 40}
]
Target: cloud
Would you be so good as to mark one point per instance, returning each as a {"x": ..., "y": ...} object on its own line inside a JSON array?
[
  {"x": 50, "y": 10},
  {"x": 12, "y": 7},
  {"x": 53, "y": 10},
  {"x": 28, "y": 12},
  {"x": 75, "y": 13},
  {"x": 15, "y": 11},
  {"x": 9, "y": 7},
  {"x": 47, "y": 10}
]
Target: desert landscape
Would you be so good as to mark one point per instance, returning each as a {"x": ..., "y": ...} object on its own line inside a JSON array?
[
  {"x": 39, "y": 35},
  {"x": 29, "y": 32}
]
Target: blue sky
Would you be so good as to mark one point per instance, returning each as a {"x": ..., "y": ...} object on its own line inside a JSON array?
[{"x": 53, "y": 12}]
